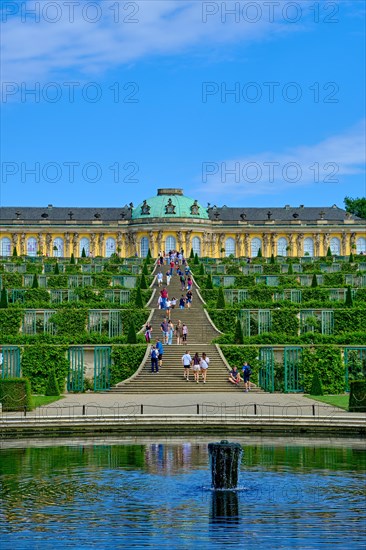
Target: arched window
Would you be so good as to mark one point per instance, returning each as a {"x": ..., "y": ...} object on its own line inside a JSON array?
[
  {"x": 110, "y": 247},
  {"x": 32, "y": 246},
  {"x": 170, "y": 244},
  {"x": 255, "y": 245},
  {"x": 196, "y": 246},
  {"x": 282, "y": 244},
  {"x": 5, "y": 247},
  {"x": 84, "y": 244},
  {"x": 360, "y": 245},
  {"x": 308, "y": 247},
  {"x": 58, "y": 247},
  {"x": 229, "y": 247},
  {"x": 144, "y": 247},
  {"x": 335, "y": 246}
]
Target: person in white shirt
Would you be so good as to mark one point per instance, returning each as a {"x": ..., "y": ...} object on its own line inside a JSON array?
[
  {"x": 160, "y": 278},
  {"x": 186, "y": 362},
  {"x": 204, "y": 366}
]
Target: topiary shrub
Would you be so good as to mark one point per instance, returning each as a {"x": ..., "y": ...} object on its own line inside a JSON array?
[
  {"x": 52, "y": 387},
  {"x": 4, "y": 298},
  {"x": 143, "y": 283},
  {"x": 316, "y": 385},
  {"x": 314, "y": 281},
  {"x": 272, "y": 260},
  {"x": 351, "y": 258},
  {"x": 15, "y": 253},
  {"x": 191, "y": 254},
  {"x": 349, "y": 299},
  {"x": 57, "y": 269},
  {"x": 148, "y": 256},
  {"x": 357, "y": 397},
  {"x": 83, "y": 253},
  {"x": 238, "y": 337},
  {"x": 39, "y": 361},
  {"x": 144, "y": 269},
  {"x": 202, "y": 270},
  {"x": 329, "y": 252},
  {"x": 290, "y": 270},
  {"x": 72, "y": 259},
  {"x": 220, "y": 303},
  {"x": 35, "y": 283},
  {"x": 131, "y": 336},
  {"x": 138, "y": 299},
  {"x": 209, "y": 283},
  {"x": 15, "y": 394},
  {"x": 196, "y": 260},
  {"x": 259, "y": 253}
]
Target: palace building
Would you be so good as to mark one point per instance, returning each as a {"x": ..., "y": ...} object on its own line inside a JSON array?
[{"x": 172, "y": 221}]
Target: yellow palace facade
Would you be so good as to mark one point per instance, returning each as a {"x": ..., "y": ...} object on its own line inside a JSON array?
[{"x": 173, "y": 221}]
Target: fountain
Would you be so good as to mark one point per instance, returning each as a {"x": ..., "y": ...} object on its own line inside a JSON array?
[{"x": 225, "y": 462}]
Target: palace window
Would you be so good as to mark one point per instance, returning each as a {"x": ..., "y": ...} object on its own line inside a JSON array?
[
  {"x": 360, "y": 245},
  {"x": 32, "y": 247},
  {"x": 110, "y": 247},
  {"x": 229, "y": 247},
  {"x": 5, "y": 246},
  {"x": 170, "y": 244},
  {"x": 308, "y": 247},
  {"x": 84, "y": 244},
  {"x": 144, "y": 247},
  {"x": 282, "y": 244},
  {"x": 196, "y": 246},
  {"x": 59, "y": 244},
  {"x": 255, "y": 245},
  {"x": 335, "y": 246}
]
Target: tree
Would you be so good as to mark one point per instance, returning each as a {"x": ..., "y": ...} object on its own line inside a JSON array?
[
  {"x": 131, "y": 335},
  {"x": 143, "y": 283},
  {"x": 209, "y": 284},
  {"x": 290, "y": 270},
  {"x": 349, "y": 299},
  {"x": 196, "y": 260},
  {"x": 316, "y": 385},
  {"x": 144, "y": 269},
  {"x": 191, "y": 254},
  {"x": 238, "y": 338},
  {"x": 356, "y": 206},
  {"x": 148, "y": 256},
  {"x": 272, "y": 260},
  {"x": 57, "y": 269},
  {"x": 35, "y": 281},
  {"x": 83, "y": 253},
  {"x": 329, "y": 252},
  {"x": 202, "y": 270},
  {"x": 72, "y": 259},
  {"x": 4, "y": 298},
  {"x": 314, "y": 281},
  {"x": 351, "y": 258},
  {"x": 15, "y": 253},
  {"x": 138, "y": 299},
  {"x": 220, "y": 304},
  {"x": 52, "y": 387},
  {"x": 259, "y": 253}
]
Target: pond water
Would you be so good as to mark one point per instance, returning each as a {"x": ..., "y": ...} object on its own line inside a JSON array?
[{"x": 140, "y": 493}]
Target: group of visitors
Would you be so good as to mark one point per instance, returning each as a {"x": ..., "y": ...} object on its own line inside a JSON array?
[
  {"x": 197, "y": 363},
  {"x": 235, "y": 378}
]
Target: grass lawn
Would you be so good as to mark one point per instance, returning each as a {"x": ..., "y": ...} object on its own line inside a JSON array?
[
  {"x": 40, "y": 400},
  {"x": 340, "y": 401}
]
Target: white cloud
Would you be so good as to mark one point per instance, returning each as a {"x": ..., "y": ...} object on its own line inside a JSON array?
[
  {"x": 39, "y": 50},
  {"x": 269, "y": 173}
]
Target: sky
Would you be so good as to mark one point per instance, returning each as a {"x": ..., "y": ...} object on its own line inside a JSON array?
[{"x": 250, "y": 103}]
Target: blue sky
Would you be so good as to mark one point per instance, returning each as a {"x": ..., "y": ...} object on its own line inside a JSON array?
[{"x": 132, "y": 96}]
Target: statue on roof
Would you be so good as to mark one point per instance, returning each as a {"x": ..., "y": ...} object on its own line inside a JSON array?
[
  {"x": 170, "y": 207},
  {"x": 195, "y": 209},
  {"x": 145, "y": 209}
]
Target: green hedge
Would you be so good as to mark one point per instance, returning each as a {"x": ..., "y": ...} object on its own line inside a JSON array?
[
  {"x": 326, "y": 361},
  {"x": 10, "y": 321},
  {"x": 15, "y": 394},
  {"x": 236, "y": 355},
  {"x": 125, "y": 361},
  {"x": 357, "y": 398},
  {"x": 39, "y": 361}
]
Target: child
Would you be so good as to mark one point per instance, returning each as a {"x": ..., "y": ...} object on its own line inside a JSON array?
[{"x": 185, "y": 332}]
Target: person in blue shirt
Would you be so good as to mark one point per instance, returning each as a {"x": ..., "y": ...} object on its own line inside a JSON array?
[
  {"x": 160, "y": 348},
  {"x": 247, "y": 371},
  {"x": 234, "y": 376},
  {"x": 154, "y": 359}
]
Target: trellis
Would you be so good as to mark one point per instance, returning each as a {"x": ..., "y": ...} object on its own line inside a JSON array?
[
  {"x": 269, "y": 280},
  {"x": 266, "y": 370},
  {"x": 264, "y": 320},
  {"x": 10, "y": 367},
  {"x": 18, "y": 295},
  {"x": 244, "y": 318},
  {"x": 305, "y": 280},
  {"x": 29, "y": 322},
  {"x": 118, "y": 296},
  {"x": 355, "y": 363},
  {"x": 292, "y": 364},
  {"x": 105, "y": 321},
  {"x": 305, "y": 326},
  {"x": 327, "y": 321},
  {"x": 124, "y": 280},
  {"x": 75, "y": 377},
  {"x": 102, "y": 363},
  {"x": 234, "y": 296}
]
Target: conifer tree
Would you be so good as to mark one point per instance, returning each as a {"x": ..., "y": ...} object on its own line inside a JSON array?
[
  {"x": 259, "y": 253},
  {"x": 351, "y": 258},
  {"x": 35, "y": 281},
  {"x": 72, "y": 259},
  {"x": 272, "y": 261},
  {"x": 191, "y": 254},
  {"x": 52, "y": 387},
  {"x": 316, "y": 385},
  {"x": 196, "y": 260},
  {"x": 83, "y": 253},
  {"x": 239, "y": 339},
  {"x": 314, "y": 281},
  {"x": 209, "y": 284},
  {"x": 15, "y": 253},
  {"x": 131, "y": 335},
  {"x": 3, "y": 298},
  {"x": 143, "y": 283},
  {"x": 202, "y": 270},
  {"x": 56, "y": 270},
  {"x": 138, "y": 299},
  {"x": 290, "y": 270},
  {"x": 349, "y": 299},
  {"x": 220, "y": 304}
]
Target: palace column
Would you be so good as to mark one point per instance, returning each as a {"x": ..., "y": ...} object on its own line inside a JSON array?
[
  {"x": 101, "y": 244},
  {"x": 93, "y": 238},
  {"x": 221, "y": 244},
  {"x": 290, "y": 237},
  {"x": 326, "y": 238},
  {"x": 188, "y": 246},
  {"x": 40, "y": 239},
  {"x": 316, "y": 238},
  {"x": 239, "y": 240},
  {"x": 246, "y": 245},
  {"x": 67, "y": 244},
  {"x": 119, "y": 243},
  {"x": 49, "y": 253},
  {"x": 265, "y": 243},
  {"x": 344, "y": 239},
  {"x": 14, "y": 241},
  {"x": 299, "y": 239},
  {"x": 152, "y": 239},
  {"x": 75, "y": 244},
  {"x": 159, "y": 242},
  {"x": 22, "y": 244},
  {"x": 352, "y": 243},
  {"x": 205, "y": 244},
  {"x": 179, "y": 240},
  {"x": 273, "y": 243}
]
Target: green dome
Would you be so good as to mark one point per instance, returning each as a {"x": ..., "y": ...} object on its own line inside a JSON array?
[{"x": 169, "y": 203}]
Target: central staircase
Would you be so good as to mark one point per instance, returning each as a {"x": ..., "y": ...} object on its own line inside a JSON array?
[{"x": 200, "y": 334}]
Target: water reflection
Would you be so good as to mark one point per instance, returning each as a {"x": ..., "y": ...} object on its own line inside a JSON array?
[{"x": 157, "y": 494}]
